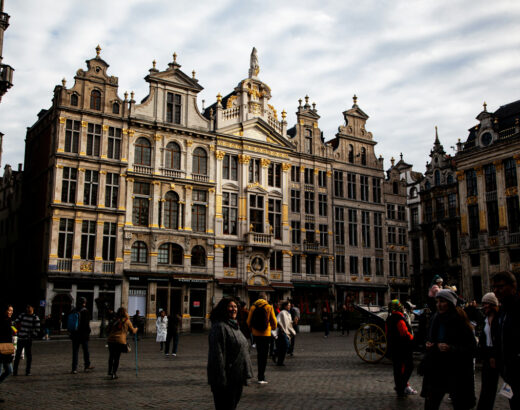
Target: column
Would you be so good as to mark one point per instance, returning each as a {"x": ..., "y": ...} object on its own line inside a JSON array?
[
  {"x": 53, "y": 243},
  {"x": 128, "y": 142},
  {"x": 188, "y": 190},
  {"x": 61, "y": 134},
  {"x": 83, "y": 138},
  {"x": 243, "y": 161},
  {"x": 151, "y": 307},
  {"x": 76, "y": 245},
  {"x": 218, "y": 195},
  {"x": 125, "y": 147},
  {"x": 286, "y": 273},
  {"x": 157, "y": 154},
  {"x": 212, "y": 164},
  {"x": 58, "y": 184},
  {"x": 101, "y": 188},
  {"x": 154, "y": 204},
  {"x": 482, "y": 209},
  {"x": 120, "y": 245},
  {"x": 80, "y": 186},
  {"x": 104, "y": 142},
  {"x": 189, "y": 160},
  {"x": 129, "y": 201},
  {"x": 98, "y": 260},
  {"x": 286, "y": 234},
  {"x": 122, "y": 203},
  {"x": 210, "y": 217},
  {"x": 463, "y": 205}
]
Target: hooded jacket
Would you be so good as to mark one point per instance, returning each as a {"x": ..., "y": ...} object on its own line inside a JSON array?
[{"x": 270, "y": 313}]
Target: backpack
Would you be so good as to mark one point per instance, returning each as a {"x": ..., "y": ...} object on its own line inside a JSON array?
[
  {"x": 73, "y": 321},
  {"x": 260, "y": 318}
]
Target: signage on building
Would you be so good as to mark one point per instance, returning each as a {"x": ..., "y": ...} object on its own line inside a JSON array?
[{"x": 196, "y": 303}]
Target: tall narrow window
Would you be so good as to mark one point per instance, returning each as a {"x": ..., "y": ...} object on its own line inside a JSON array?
[
  {"x": 109, "y": 241},
  {"x": 256, "y": 212},
  {"x": 510, "y": 172},
  {"x": 351, "y": 153},
  {"x": 352, "y": 227},
  {"x": 403, "y": 265},
  {"x": 88, "y": 240},
  {"x": 365, "y": 229},
  {"x": 296, "y": 266},
  {"x": 68, "y": 187},
  {"x": 367, "y": 268},
  {"x": 308, "y": 142},
  {"x": 324, "y": 266},
  {"x": 95, "y": 100},
  {"x": 392, "y": 237},
  {"x": 230, "y": 167},
  {"x": 74, "y": 100},
  {"x": 354, "y": 265},
  {"x": 322, "y": 204},
  {"x": 437, "y": 178},
  {"x": 379, "y": 266},
  {"x": 72, "y": 136},
  {"x": 351, "y": 185},
  {"x": 490, "y": 177},
  {"x": 324, "y": 235},
  {"x": 173, "y": 108},
  {"x": 295, "y": 200},
  {"x": 363, "y": 156},
  {"x": 296, "y": 237},
  {"x": 275, "y": 217},
  {"x": 274, "y": 175},
  {"x": 492, "y": 217},
  {"x": 363, "y": 182},
  {"x": 513, "y": 214},
  {"x": 452, "y": 205},
  {"x": 392, "y": 264},
  {"x": 114, "y": 143},
  {"x": 439, "y": 207},
  {"x": 171, "y": 210},
  {"x": 230, "y": 212},
  {"x": 230, "y": 257},
  {"x": 90, "y": 188},
  {"x": 254, "y": 170},
  {"x": 376, "y": 190},
  {"x": 340, "y": 264},
  {"x": 322, "y": 179},
  {"x": 310, "y": 265},
  {"x": 310, "y": 234},
  {"x": 65, "y": 238},
  {"x": 339, "y": 225},
  {"x": 471, "y": 182},
  {"x": 198, "y": 211},
  {"x": 309, "y": 176},
  {"x": 390, "y": 211},
  {"x": 141, "y": 204},
  {"x": 111, "y": 190},
  {"x": 309, "y": 202},
  {"x": 401, "y": 212},
  {"x": 378, "y": 230},
  {"x": 143, "y": 152},
  {"x": 338, "y": 184},
  {"x": 295, "y": 173},
  {"x": 200, "y": 162},
  {"x": 115, "y": 108},
  {"x": 198, "y": 256},
  {"x": 139, "y": 252},
  {"x": 276, "y": 261},
  {"x": 172, "y": 156},
  {"x": 474, "y": 223}
]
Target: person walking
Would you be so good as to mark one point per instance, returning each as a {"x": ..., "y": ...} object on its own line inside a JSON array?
[
  {"x": 138, "y": 323},
  {"x": 229, "y": 364},
  {"x": 80, "y": 336},
  {"x": 285, "y": 332},
  {"x": 172, "y": 334},
  {"x": 490, "y": 373},
  {"x": 261, "y": 321},
  {"x": 28, "y": 325},
  {"x": 506, "y": 335},
  {"x": 344, "y": 316},
  {"x": 117, "y": 340},
  {"x": 400, "y": 348},
  {"x": 6, "y": 338},
  {"x": 325, "y": 319},
  {"x": 448, "y": 363},
  {"x": 295, "y": 316},
  {"x": 162, "y": 329}
]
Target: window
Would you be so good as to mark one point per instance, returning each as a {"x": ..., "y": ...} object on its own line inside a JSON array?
[
  {"x": 322, "y": 179},
  {"x": 90, "y": 188},
  {"x": 322, "y": 204},
  {"x": 367, "y": 269},
  {"x": 510, "y": 172},
  {"x": 310, "y": 234},
  {"x": 379, "y": 266},
  {"x": 198, "y": 211},
  {"x": 230, "y": 257},
  {"x": 338, "y": 184},
  {"x": 72, "y": 136},
  {"x": 173, "y": 108},
  {"x": 310, "y": 265},
  {"x": 351, "y": 154},
  {"x": 68, "y": 187},
  {"x": 295, "y": 200},
  {"x": 513, "y": 214},
  {"x": 494, "y": 258},
  {"x": 395, "y": 187},
  {"x": 378, "y": 230},
  {"x": 437, "y": 178},
  {"x": 376, "y": 190},
  {"x": 365, "y": 229},
  {"x": 200, "y": 162},
  {"x": 295, "y": 173},
  {"x": 296, "y": 266},
  {"x": 309, "y": 176},
  {"x": 474, "y": 224},
  {"x": 340, "y": 264},
  {"x": 490, "y": 178},
  {"x": 471, "y": 182},
  {"x": 352, "y": 228},
  {"x": 143, "y": 152},
  {"x": 254, "y": 170},
  {"x": 170, "y": 254},
  {"x": 390, "y": 211},
  {"x": 276, "y": 261},
  {"x": 171, "y": 210},
  {"x": 141, "y": 204},
  {"x": 256, "y": 212},
  {"x": 114, "y": 143},
  {"x": 363, "y": 182},
  {"x": 115, "y": 108},
  {"x": 324, "y": 235},
  {"x": 324, "y": 266},
  {"x": 449, "y": 179},
  {"x": 392, "y": 264},
  {"x": 351, "y": 185},
  {"x": 95, "y": 100},
  {"x": 308, "y": 142},
  {"x": 428, "y": 211},
  {"x": 296, "y": 232},
  {"x": 172, "y": 156},
  {"x": 88, "y": 240},
  {"x": 474, "y": 259},
  {"x": 439, "y": 207},
  {"x": 230, "y": 167},
  {"x": 74, "y": 100},
  {"x": 111, "y": 190},
  {"x": 339, "y": 225},
  {"x": 230, "y": 212},
  {"x": 139, "y": 252},
  {"x": 401, "y": 213},
  {"x": 354, "y": 268},
  {"x": 109, "y": 241},
  {"x": 65, "y": 238},
  {"x": 198, "y": 256},
  {"x": 274, "y": 175},
  {"x": 275, "y": 217},
  {"x": 401, "y": 236},
  {"x": 403, "y": 265},
  {"x": 363, "y": 156},
  {"x": 309, "y": 202},
  {"x": 454, "y": 242},
  {"x": 492, "y": 217},
  {"x": 414, "y": 213},
  {"x": 391, "y": 235},
  {"x": 452, "y": 205}
]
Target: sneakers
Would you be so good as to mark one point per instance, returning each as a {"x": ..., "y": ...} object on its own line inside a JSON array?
[
  {"x": 262, "y": 381},
  {"x": 74, "y": 372},
  {"x": 409, "y": 390},
  {"x": 167, "y": 354},
  {"x": 174, "y": 354},
  {"x": 253, "y": 345}
]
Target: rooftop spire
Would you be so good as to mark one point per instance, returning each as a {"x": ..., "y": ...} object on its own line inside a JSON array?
[
  {"x": 485, "y": 106},
  {"x": 355, "y": 100},
  {"x": 254, "y": 67},
  {"x": 437, "y": 136},
  {"x": 98, "y": 51}
]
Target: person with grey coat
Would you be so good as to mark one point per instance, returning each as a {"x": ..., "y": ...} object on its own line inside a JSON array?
[{"x": 229, "y": 364}]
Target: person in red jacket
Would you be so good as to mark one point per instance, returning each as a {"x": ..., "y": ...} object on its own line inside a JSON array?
[{"x": 400, "y": 348}]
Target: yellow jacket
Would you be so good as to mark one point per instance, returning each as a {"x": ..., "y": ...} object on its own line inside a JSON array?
[{"x": 272, "y": 318}]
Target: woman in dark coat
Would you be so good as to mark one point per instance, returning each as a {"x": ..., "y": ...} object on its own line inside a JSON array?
[
  {"x": 6, "y": 336},
  {"x": 229, "y": 365},
  {"x": 448, "y": 363}
]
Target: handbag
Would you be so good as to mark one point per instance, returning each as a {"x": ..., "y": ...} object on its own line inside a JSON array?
[
  {"x": 7, "y": 349},
  {"x": 126, "y": 348}
]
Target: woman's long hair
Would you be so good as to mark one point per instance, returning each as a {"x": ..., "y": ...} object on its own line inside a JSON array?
[
  {"x": 219, "y": 312},
  {"x": 120, "y": 318}
]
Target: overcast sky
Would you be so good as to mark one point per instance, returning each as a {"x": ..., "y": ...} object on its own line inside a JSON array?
[{"x": 412, "y": 64}]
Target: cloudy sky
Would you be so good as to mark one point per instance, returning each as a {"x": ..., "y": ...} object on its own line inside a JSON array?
[{"x": 412, "y": 64}]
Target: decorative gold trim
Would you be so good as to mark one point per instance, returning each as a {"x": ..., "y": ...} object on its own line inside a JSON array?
[
  {"x": 63, "y": 120},
  {"x": 84, "y": 124}
]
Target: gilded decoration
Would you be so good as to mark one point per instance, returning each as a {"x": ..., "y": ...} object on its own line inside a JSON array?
[
  {"x": 62, "y": 120},
  {"x": 287, "y": 253},
  {"x": 498, "y": 165},
  {"x": 244, "y": 159},
  {"x": 86, "y": 267},
  {"x": 105, "y": 127},
  {"x": 472, "y": 200},
  {"x": 479, "y": 170},
  {"x": 220, "y": 155},
  {"x": 460, "y": 175},
  {"x": 188, "y": 143},
  {"x": 265, "y": 162},
  {"x": 286, "y": 167},
  {"x": 84, "y": 124},
  {"x": 230, "y": 100},
  {"x": 512, "y": 191}
]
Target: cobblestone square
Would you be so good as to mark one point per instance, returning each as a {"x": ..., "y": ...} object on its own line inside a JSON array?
[{"x": 323, "y": 374}]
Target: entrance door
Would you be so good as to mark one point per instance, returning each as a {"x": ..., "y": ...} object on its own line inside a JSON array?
[
  {"x": 60, "y": 308},
  {"x": 137, "y": 301},
  {"x": 175, "y": 302},
  {"x": 197, "y": 303}
]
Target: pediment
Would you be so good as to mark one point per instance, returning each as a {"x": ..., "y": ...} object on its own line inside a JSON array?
[
  {"x": 175, "y": 77},
  {"x": 230, "y": 186},
  {"x": 356, "y": 112},
  {"x": 256, "y": 187},
  {"x": 258, "y": 129},
  {"x": 275, "y": 194}
]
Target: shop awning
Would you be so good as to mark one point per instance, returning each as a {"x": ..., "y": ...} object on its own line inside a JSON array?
[
  {"x": 310, "y": 285},
  {"x": 282, "y": 285},
  {"x": 229, "y": 282},
  {"x": 362, "y": 285},
  {"x": 259, "y": 288}
]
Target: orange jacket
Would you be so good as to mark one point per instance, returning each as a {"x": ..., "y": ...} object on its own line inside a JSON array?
[{"x": 272, "y": 318}]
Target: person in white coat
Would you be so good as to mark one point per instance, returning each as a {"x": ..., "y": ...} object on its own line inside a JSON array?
[
  {"x": 285, "y": 332},
  {"x": 162, "y": 328}
]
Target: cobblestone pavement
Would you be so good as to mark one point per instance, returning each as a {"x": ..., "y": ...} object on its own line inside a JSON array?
[{"x": 323, "y": 374}]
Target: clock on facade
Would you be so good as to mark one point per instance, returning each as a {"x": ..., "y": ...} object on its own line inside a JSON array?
[{"x": 486, "y": 139}]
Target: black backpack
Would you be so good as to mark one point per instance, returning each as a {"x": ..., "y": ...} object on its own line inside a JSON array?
[{"x": 260, "y": 318}]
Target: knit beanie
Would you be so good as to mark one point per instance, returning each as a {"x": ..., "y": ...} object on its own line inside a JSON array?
[
  {"x": 490, "y": 298},
  {"x": 448, "y": 295}
]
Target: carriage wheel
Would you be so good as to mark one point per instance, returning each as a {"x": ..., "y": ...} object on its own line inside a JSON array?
[{"x": 370, "y": 343}]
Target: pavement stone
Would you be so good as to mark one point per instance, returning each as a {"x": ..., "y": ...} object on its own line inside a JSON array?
[{"x": 323, "y": 374}]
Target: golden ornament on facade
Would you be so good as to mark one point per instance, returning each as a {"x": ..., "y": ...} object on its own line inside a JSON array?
[
  {"x": 479, "y": 170},
  {"x": 86, "y": 267},
  {"x": 188, "y": 143},
  {"x": 286, "y": 167},
  {"x": 62, "y": 120},
  {"x": 511, "y": 191},
  {"x": 460, "y": 175},
  {"x": 244, "y": 159},
  {"x": 265, "y": 162},
  {"x": 472, "y": 200}
]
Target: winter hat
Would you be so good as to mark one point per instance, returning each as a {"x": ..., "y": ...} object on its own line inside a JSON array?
[
  {"x": 448, "y": 295},
  {"x": 490, "y": 298},
  {"x": 395, "y": 306}
]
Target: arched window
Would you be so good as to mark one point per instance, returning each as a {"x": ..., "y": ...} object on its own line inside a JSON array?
[
  {"x": 351, "y": 154},
  {"x": 170, "y": 254},
  {"x": 200, "y": 162},
  {"x": 413, "y": 193},
  {"x": 115, "y": 108},
  {"x": 437, "y": 177},
  {"x": 363, "y": 156},
  {"x": 198, "y": 256},
  {"x": 427, "y": 185},
  {"x": 74, "y": 100},
  {"x": 143, "y": 152},
  {"x": 449, "y": 180},
  {"x": 139, "y": 252},
  {"x": 171, "y": 210},
  {"x": 172, "y": 156},
  {"x": 95, "y": 100}
]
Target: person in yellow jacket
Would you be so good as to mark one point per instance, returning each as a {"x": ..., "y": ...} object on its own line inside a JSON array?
[{"x": 261, "y": 323}]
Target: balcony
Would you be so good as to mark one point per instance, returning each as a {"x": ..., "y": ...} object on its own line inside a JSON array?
[
  {"x": 143, "y": 169},
  {"x": 311, "y": 246},
  {"x": 260, "y": 239},
  {"x": 6, "y": 78},
  {"x": 491, "y": 196},
  {"x": 473, "y": 243},
  {"x": 64, "y": 265},
  {"x": 200, "y": 178},
  {"x": 514, "y": 238},
  {"x": 173, "y": 173},
  {"x": 109, "y": 267}
]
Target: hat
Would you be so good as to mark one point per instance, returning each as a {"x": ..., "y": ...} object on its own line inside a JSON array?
[
  {"x": 409, "y": 305},
  {"x": 448, "y": 295},
  {"x": 395, "y": 305},
  {"x": 490, "y": 298}
]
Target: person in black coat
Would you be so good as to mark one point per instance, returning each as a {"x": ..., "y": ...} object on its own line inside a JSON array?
[
  {"x": 448, "y": 363},
  {"x": 81, "y": 336},
  {"x": 172, "y": 334},
  {"x": 6, "y": 336}
]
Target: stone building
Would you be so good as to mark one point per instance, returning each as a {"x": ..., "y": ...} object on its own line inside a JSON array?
[{"x": 488, "y": 184}]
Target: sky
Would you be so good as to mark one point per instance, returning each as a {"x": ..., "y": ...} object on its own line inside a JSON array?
[{"x": 413, "y": 65}]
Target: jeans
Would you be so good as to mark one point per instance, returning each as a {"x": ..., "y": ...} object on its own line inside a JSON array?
[
  {"x": 262, "y": 350},
  {"x": 488, "y": 390},
  {"x": 76, "y": 343},
  {"x": 169, "y": 338},
  {"x": 7, "y": 369},
  {"x": 326, "y": 326},
  {"x": 282, "y": 345},
  {"x": 403, "y": 367},
  {"x": 226, "y": 397},
  {"x": 114, "y": 354},
  {"x": 27, "y": 345}
]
